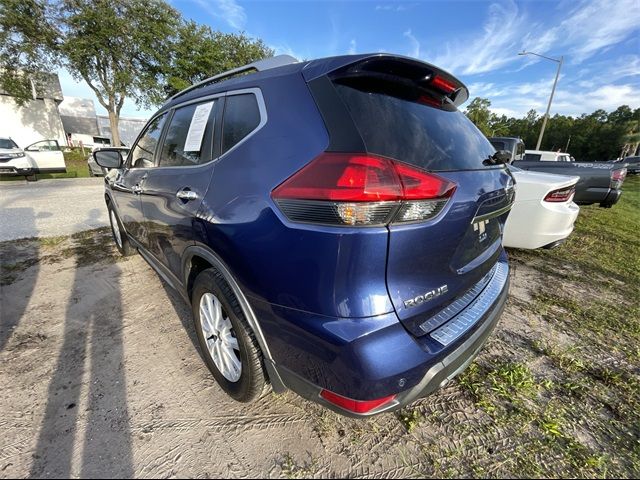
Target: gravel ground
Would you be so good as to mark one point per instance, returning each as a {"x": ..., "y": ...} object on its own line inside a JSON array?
[
  {"x": 49, "y": 208},
  {"x": 101, "y": 377}
]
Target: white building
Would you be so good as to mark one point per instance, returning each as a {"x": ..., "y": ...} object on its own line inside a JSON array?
[
  {"x": 38, "y": 119},
  {"x": 69, "y": 120}
]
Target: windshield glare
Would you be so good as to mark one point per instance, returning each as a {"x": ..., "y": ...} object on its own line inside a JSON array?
[{"x": 7, "y": 143}]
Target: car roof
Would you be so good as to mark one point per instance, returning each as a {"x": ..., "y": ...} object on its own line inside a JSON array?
[{"x": 310, "y": 69}]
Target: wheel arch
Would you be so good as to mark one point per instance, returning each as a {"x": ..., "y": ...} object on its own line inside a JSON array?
[{"x": 198, "y": 258}]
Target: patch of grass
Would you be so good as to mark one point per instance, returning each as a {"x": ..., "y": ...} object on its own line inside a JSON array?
[
  {"x": 9, "y": 272},
  {"x": 604, "y": 247},
  {"x": 291, "y": 469},
  {"x": 50, "y": 241},
  {"x": 410, "y": 418}
]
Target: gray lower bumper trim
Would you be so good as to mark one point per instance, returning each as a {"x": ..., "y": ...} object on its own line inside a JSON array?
[{"x": 455, "y": 328}]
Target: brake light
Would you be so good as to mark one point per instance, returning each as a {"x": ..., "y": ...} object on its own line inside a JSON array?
[
  {"x": 617, "y": 177},
  {"x": 562, "y": 195},
  {"x": 442, "y": 84},
  {"x": 361, "y": 189},
  {"x": 355, "y": 406}
]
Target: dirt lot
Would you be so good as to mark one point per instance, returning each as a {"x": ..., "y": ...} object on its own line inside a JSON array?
[{"x": 101, "y": 377}]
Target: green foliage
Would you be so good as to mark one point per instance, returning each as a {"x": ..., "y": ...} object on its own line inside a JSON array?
[
  {"x": 27, "y": 41},
  {"x": 137, "y": 49},
  {"x": 479, "y": 113},
  {"x": 410, "y": 418},
  {"x": 598, "y": 136},
  {"x": 199, "y": 53}
]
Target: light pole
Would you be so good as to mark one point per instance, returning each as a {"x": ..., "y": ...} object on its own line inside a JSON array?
[{"x": 553, "y": 90}]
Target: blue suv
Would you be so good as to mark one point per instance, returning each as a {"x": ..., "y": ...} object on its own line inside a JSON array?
[{"x": 336, "y": 225}]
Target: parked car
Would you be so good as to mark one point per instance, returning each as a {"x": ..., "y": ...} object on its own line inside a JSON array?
[
  {"x": 543, "y": 213},
  {"x": 96, "y": 170},
  {"x": 600, "y": 182},
  {"x": 335, "y": 224},
  {"x": 631, "y": 163},
  {"x": 546, "y": 156},
  {"x": 44, "y": 156}
]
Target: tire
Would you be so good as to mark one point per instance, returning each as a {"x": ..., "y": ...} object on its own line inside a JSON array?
[
  {"x": 120, "y": 237},
  {"x": 31, "y": 177},
  {"x": 248, "y": 384}
]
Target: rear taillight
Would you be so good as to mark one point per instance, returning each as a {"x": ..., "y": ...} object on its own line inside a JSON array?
[
  {"x": 361, "y": 189},
  {"x": 562, "y": 195},
  {"x": 617, "y": 177},
  {"x": 355, "y": 406}
]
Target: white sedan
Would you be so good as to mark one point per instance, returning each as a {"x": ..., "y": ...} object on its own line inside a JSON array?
[{"x": 543, "y": 213}]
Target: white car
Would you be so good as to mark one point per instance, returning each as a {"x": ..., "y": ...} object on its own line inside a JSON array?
[
  {"x": 44, "y": 156},
  {"x": 543, "y": 213},
  {"x": 545, "y": 156}
]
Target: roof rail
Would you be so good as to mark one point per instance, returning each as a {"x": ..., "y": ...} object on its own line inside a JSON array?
[{"x": 259, "y": 66}]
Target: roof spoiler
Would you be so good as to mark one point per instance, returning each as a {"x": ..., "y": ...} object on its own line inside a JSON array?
[
  {"x": 385, "y": 65},
  {"x": 257, "y": 66}
]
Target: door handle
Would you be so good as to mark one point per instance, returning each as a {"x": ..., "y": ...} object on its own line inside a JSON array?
[
  {"x": 137, "y": 189},
  {"x": 187, "y": 195}
]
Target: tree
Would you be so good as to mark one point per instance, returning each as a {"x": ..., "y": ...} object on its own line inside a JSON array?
[
  {"x": 120, "y": 48},
  {"x": 479, "y": 113},
  {"x": 200, "y": 53},
  {"x": 136, "y": 49},
  {"x": 26, "y": 44}
]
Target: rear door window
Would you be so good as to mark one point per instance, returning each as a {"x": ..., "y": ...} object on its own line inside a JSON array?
[
  {"x": 402, "y": 124},
  {"x": 241, "y": 117},
  {"x": 189, "y": 136}
]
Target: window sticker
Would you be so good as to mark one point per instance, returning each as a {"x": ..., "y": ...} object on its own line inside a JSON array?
[{"x": 197, "y": 127}]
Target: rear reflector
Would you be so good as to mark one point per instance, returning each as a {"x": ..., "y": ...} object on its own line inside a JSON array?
[
  {"x": 355, "y": 406},
  {"x": 562, "y": 195},
  {"x": 361, "y": 189}
]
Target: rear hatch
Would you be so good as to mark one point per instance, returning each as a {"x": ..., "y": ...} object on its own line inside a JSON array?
[{"x": 406, "y": 111}]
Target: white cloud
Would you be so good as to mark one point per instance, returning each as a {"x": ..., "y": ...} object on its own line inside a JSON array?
[
  {"x": 352, "y": 46},
  {"x": 415, "y": 44},
  {"x": 391, "y": 8},
  {"x": 578, "y": 31},
  {"x": 593, "y": 25},
  {"x": 488, "y": 50},
  {"x": 285, "y": 49},
  {"x": 228, "y": 10},
  {"x": 569, "y": 99}
]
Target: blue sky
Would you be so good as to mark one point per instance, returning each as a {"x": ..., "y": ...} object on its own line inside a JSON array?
[{"x": 477, "y": 41}]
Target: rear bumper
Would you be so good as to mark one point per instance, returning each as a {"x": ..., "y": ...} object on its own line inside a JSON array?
[
  {"x": 536, "y": 224},
  {"x": 612, "y": 198},
  {"x": 373, "y": 357},
  {"x": 606, "y": 197}
]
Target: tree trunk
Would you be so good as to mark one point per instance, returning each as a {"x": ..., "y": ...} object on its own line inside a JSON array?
[{"x": 114, "y": 120}]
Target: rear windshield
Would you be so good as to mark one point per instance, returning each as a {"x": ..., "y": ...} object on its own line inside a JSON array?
[
  {"x": 7, "y": 143},
  {"x": 397, "y": 125},
  {"x": 532, "y": 157},
  {"x": 498, "y": 145}
]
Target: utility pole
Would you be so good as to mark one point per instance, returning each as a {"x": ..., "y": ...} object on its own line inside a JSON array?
[{"x": 553, "y": 91}]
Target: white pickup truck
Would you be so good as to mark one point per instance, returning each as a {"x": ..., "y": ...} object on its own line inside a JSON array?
[
  {"x": 44, "y": 156},
  {"x": 544, "y": 156}
]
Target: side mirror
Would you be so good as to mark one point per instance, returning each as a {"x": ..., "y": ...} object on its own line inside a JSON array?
[
  {"x": 498, "y": 158},
  {"x": 108, "y": 158},
  {"x": 502, "y": 156}
]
